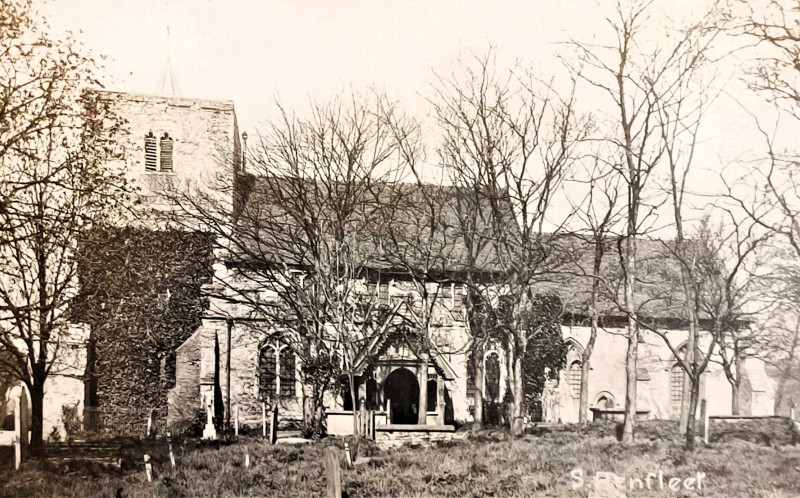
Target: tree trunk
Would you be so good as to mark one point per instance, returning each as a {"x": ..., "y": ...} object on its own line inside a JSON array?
[
  {"x": 519, "y": 392},
  {"x": 353, "y": 397},
  {"x": 422, "y": 407},
  {"x": 37, "y": 413},
  {"x": 735, "y": 398},
  {"x": 690, "y": 361},
  {"x": 633, "y": 339},
  {"x": 585, "y": 368},
  {"x": 599, "y": 250},
  {"x": 477, "y": 361},
  {"x": 692, "y": 412},
  {"x": 309, "y": 408},
  {"x": 786, "y": 371},
  {"x": 778, "y": 394},
  {"x": 90, "y": 384}
]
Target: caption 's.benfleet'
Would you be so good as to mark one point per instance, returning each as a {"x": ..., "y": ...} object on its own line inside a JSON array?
[{"x": 651, "y": 481}]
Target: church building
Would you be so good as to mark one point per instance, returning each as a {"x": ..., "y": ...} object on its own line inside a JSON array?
[{"x": 237, "y": 362}]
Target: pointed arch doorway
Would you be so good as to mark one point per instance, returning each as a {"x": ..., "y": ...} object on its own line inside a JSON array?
[{"x": 402, "y": 390}]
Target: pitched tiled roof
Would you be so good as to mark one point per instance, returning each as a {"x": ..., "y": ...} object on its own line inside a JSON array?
[
  {"x": 398, "y": 226},
  {"x": 387, "y": 226}
]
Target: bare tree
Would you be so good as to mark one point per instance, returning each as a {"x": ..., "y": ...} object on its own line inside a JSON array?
[
  {"x": 512, "y": 137},
  {"x": 640, "y": 82},
  {"x": 596, "y": 219},
  {"x": 301, "y": 226},
  {"x": 716, "y": 278},
  {"x": 53, "y": 184},
  {"x": 769, "y": 36}
]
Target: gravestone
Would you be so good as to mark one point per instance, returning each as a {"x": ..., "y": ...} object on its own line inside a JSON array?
[
  {"x": 209, "y": 432},
  {"x": 333, "y": 475}
]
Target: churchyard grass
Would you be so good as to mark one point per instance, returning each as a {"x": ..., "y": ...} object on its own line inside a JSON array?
[{"x": 759, "y": 461}]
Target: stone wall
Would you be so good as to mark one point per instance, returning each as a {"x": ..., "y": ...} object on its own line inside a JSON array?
[
  {"x": 387, "y": 438},
  {"x": 184, "y": 399},
  {"x": 64, "y": 386},
  {"x": 607, "y": 376}
]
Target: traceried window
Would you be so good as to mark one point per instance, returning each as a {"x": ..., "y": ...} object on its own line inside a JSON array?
[
  {"x": 575, "y": 378},
  {"x": 266, "y": 373},
  {"x": 287, "y": 373},
  {"x": 470, "y": 375},
  {"x": 493, "y": 376},
  {"x": 383, "y": 293},
  {"x": 276, "y": 372},
  {"x": 432, "y": 394},
  {"x": 676, "y": 385}
]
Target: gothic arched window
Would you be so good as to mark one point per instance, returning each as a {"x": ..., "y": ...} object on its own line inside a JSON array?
[
  {"x": 676, "y": 385},
  {"x": 276, "y": 371},
  {"x": 493, "y": 376},
  {"x": 267, "y": 378},
  {"x": 470, "y": 375},
  {"x": 575, "y": 378},
  {"x": 287, "y": 372}
]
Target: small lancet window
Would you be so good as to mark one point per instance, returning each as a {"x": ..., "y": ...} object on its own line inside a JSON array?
[
  {"x": 166, "y": 152},
  {"x": 150, "y": 153}
]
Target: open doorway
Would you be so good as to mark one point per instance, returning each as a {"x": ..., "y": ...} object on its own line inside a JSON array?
[{"x": 402, "y": 389}]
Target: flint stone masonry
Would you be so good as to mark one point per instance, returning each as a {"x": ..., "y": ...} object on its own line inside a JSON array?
[
  {"x": 205, "y": 138},
  {"x": 184, "y": 399},
  {"x": 64, "y": 386}
]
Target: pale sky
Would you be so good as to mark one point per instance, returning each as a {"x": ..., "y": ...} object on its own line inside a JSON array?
[
  {"x": 251, "y": 51},
  {"x": 254, "y": 51}
]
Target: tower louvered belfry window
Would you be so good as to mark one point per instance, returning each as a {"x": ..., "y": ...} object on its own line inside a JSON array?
[
  {"x": 166, "y": 152},
  {"x": 150, "y": 152}
]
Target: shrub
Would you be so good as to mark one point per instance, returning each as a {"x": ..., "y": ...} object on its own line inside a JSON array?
[{"x": 71, "y": 419}]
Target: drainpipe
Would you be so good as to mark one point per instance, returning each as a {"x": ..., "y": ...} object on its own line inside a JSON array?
[{"x": 229, "y": 321}]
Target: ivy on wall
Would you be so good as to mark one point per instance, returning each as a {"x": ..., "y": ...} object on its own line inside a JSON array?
[{"x": 140, "y": 293}]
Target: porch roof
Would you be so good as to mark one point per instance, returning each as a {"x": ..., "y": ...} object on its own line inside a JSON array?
[{"x": 379, "y": 341}]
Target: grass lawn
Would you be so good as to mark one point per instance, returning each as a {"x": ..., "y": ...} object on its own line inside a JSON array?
[{"x": 755, "y": 461}]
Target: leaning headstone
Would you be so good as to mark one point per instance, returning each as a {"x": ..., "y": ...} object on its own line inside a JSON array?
[
  {"x": 273, "y": 426},
  {"x": 333, "y": 475},
  {"x": 348, "y": 456},
  {"x": 704, "y": 418},
  {"x": 263, "y": 419},
  {"x": 171, "y": 454},
  {"x": 148, "y": 468},
  {"x": 209, "y": 432},
  {"x": 17, "y": 453}
]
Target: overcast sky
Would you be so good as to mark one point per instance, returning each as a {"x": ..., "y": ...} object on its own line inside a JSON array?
[{"x": 254, "y": 51}]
